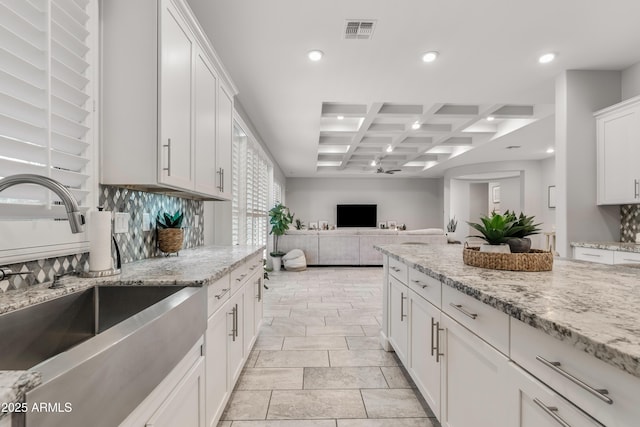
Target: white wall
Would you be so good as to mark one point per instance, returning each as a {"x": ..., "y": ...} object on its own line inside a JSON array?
[
  {"x": 578, "y": 218},
  {"x": 459, "y": 206},
  {"x": 414, "y": 202},
  {"x": 547, "y": 178},
  {"x": 631, "y": 82}
]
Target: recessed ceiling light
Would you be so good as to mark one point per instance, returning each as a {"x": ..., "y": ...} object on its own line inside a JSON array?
[
  {"x": 490, "y": 118},
  {"x": 389, "y": 149},
  {"x": 315, "y": 55},
  {"x": 546, "y": 58},
  {"x": 340, "y": 117},
  {"x": 415, "y": 125},
  {"x": 550, "y": 150},
  {"x": 430, "y": 56}
]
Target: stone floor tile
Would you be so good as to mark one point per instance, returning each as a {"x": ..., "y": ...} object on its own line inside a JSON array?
[
  {"x": 314, "y": 343},
  {"x": 343, "y": 378},
  {"x": 351, "y": 312},
  {"x": 395, "y": 377},
  {"x": 316, "y": 404},
  {"x": 393, "y": 403},
  {"x": 300, "y": 320},
  {"x": 270, "y": 379},
  {"x": 339, "y": 330},
  {"x": 282, "y": 330},
  {"x": 286, "y": 423},
  {"x": 364, "y": 343},
  {"x": 251, "y": 360},
  {"x": 293, "y": 358},
  {"x": 371, "y": 331},
  {"x": 352, "y": 320},
  {"x": 277, "y": 313},
  {"x": 322, "y": 305},
  {"x": 391, "y": 422},
  {"x": 247, "y": 405},
  {"x": 268, "y": 343},
  {"x": 316, "y": 312},
  {"x": 338, "y": 358},
  {"x": 224, "y": 424}
]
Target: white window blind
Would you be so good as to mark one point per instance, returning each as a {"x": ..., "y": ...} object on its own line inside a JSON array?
[
  {"x": 48, "y": 76},
  {"x": 46, "y": 102},
  {"x": 277, "y": 193},
  {"x": 251, "y": 191}
]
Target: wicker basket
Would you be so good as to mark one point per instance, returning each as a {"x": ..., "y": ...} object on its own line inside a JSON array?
[
  {"x": 170, "y": 239},
  {"x": 534, "y": 260}
]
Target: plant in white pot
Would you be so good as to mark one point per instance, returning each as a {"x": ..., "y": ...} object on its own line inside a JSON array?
[
  {"x": 452, "y": 225},
  {"x": 495, "y": 230},
  {"x": 280, "y": 219}
]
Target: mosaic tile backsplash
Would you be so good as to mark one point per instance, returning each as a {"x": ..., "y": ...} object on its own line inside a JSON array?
[
  {"x": 629, "y": 223},
  {"x": 134, "y": 245}
]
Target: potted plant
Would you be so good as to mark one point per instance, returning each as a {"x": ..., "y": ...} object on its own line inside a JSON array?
[
  {"x": 299, "y": 224},
  {"x": 523, "y": 227},
  {"x": 452, "y": 225},
  {"x": 280, "y": 218},
  {"x": 495, "y": 230},
  {"x": 170, "y": 232}
]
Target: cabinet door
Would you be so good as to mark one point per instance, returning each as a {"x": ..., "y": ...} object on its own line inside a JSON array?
[
  {"x": 618, "y": 151},
  {"x": 223, "y": 144},
  {"x": 218, "y": 389},
  {"x": 206, "y": 83},
  {"x": 258, "y": 306},
  {"x": 249, "y": 313},
  {"x": 474, "y": 384},
  {"x": 533, "y": 404},
  {"x": 185, "y": 405},
  {"x": 424, "y": 321},
  {"x": 235, "y": 346},
  {"x": 176, "y": 78},
  {"x": 398, "y": 322}
]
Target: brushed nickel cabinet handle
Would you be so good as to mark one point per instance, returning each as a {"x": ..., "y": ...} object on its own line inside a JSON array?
[
  {"x": 555, "y": 366},
  {"x": 433, "y": 324},
  {"x": 233, "y": 322},
  {"x": 463, "y": 311},
  {"x": 168, "y": 145},
  {"x": 438, "y": 354},
  {"x": 593, "y": 255},
  {"x": 402, "y": 298},
  {"x": 396, "y": 269},
  {"x": 551, "y": 411},
  {"x": 636, "y": 188},
  {"x": 224, "y": 291},
  {"x": 421, "y": 283}
]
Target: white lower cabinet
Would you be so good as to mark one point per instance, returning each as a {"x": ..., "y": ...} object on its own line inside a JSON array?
[
  {"x": 533, "y": 404},
  {"x": 398, "y": 318},
  {"x": 235, "y": 335},
  {"x": 185, "y": 407},
  {"x": 218, "y": 389},
  {"x": 473, "y": 379},
  {"x": 424, "y": 355}
]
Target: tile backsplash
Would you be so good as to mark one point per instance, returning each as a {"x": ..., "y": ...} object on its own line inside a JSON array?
[
  {"x": 629, "y": 222},
  {"x": 134, "y": 245}
]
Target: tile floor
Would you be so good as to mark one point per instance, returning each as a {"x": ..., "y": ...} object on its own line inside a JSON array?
[{"x": 318, "y": 362}]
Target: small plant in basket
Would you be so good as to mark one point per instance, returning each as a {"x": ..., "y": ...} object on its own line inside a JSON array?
[
  {"x": 495, "y": 230},
  {"x": 170, "y": 232},
  {"x": 523, "y": 227}
]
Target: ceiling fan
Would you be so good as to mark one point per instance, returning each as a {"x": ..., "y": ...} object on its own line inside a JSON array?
[{"x": 389, "y": 171}]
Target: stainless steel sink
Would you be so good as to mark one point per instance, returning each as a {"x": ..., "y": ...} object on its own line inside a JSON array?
[{"x": 102, "y": 350}]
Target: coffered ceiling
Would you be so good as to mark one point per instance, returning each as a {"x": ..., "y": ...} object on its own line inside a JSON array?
[{"x": 373, "y": 76}]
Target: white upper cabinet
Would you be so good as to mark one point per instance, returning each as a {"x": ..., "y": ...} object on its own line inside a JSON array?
[
  {"x": 167, "y": 101},
  {"x": 618, "y": 129}
]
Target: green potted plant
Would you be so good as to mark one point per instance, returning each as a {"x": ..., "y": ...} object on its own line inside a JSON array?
[
  {"x": 524, "y": 226},
  {"x": 452, "y": 225},
  {"x": 495, "y": 230},
  {"x": 280, "y": 219},
  {"x": 169, "y": 232},
  {"x": 299, "y": 224}
]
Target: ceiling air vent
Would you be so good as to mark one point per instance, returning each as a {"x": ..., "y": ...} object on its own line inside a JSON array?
[{"x": 359, "y": 29}]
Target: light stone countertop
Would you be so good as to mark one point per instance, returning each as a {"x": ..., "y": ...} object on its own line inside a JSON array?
[
  {"x": 594, "y": 307},
  {"x": 194, "y": 267},
  {"x": 610, "y": 246}
]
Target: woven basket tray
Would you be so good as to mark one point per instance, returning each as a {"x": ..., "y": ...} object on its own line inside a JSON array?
[
  {"x": 535, "y": 260},
  {"x": 170, "y": 239}
]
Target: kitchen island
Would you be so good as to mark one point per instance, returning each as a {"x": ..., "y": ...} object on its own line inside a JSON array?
[
  {"x": 213, "y": 267},
  {"x": 579, "y": 313}
]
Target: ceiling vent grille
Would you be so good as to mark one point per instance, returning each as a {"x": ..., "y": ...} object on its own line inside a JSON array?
[{"x": 359, "y": 29}]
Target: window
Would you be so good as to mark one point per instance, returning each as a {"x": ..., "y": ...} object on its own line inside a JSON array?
[
  {"x": 46, "y": 120},
  {"x": 251, "y": 176}
]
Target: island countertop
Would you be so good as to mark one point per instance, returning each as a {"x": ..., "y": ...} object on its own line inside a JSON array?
[
  {"x": 193, "y": 267},
  {"x": 594, "y": 307},
  {"x": 609, "y": 246}
]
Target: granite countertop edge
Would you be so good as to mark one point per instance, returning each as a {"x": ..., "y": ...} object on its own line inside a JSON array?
[
  {"x": 609, "y": 246},
  {"x": 15, "y": 384},
  {"x": 602, "y": 351}
]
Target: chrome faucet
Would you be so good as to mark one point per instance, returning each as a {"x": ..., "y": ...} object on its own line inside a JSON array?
[{"x": 76, "y": 219}]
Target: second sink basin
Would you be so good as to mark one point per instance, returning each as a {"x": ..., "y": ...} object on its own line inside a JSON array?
[{"x": 39, "y": 332}]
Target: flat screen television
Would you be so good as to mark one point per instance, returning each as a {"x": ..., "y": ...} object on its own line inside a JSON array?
[{"x": 357, "y": 216}]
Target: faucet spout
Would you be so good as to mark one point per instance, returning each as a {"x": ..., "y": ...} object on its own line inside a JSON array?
[{"x": 76, "y": 219}]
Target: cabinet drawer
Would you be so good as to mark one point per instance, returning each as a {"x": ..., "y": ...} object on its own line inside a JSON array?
[
  {"x": 488, "y": 323},
  {"x": 555, "y": 362},
  {"x": 217, "y": 294},
  {"x": 241, "y": 274},
  {"x": 620, "y": 257},
  {"x": 601, "y": 256},
  {"x": 426, "y": 286},
  {"x": 398, "y": 270}
]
